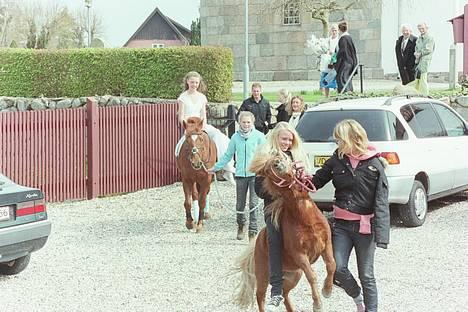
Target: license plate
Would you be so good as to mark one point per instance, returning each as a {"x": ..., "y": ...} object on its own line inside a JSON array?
[
  {"x": 4, "y": 213},
  {"x": 320, "y": 160}
]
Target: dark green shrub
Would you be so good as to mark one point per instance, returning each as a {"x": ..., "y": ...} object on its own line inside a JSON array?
[{"x": 123, "y": 71}]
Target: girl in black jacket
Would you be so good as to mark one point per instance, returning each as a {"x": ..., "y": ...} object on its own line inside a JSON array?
[
  {"x": 361, "y": 211},
  {"x": 284, "y": 97}
]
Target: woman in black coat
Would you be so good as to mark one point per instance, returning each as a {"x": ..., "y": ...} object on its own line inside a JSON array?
[{"x": 361, "y": 211}]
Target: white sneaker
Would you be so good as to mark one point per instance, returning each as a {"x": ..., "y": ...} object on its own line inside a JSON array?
[
  {"x": 229, "y": 176},
  {"x": 274, "y": 304}
]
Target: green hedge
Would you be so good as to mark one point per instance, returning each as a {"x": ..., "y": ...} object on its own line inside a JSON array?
[{"x": 122, "y": 71}]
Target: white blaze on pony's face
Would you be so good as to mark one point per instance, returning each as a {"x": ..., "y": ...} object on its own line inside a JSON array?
[{"x": 285, "y": 140}]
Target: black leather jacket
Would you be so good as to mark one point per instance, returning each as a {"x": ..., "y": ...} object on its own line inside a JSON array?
[
  {"x": 261, "y": 111},
  {"x": 363, "y": 190}
]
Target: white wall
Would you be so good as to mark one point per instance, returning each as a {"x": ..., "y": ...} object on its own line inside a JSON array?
[{"x": 435, "y": 13}]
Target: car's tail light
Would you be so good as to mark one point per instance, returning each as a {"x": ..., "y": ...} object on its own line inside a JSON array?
[
  {"x": 30, "y": 207},
  {"x": 391, "y": 157}
]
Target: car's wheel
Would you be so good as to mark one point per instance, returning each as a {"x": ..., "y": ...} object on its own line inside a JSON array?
[
  {"x": 15, "y": 266},
  {"x": 414, "y": 212}
]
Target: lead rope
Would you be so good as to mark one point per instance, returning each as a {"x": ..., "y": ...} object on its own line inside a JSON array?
[{"x": 223, "y": 204}]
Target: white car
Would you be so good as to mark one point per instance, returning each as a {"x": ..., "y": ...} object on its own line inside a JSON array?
[{"x": 424, "y": 141}]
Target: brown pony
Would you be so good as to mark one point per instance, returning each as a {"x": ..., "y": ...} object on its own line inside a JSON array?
[
  {"x": 196, "y": 155},
  {"x": 306, "y": 236}
]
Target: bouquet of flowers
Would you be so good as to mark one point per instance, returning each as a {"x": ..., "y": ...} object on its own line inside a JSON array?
[{"x": 317, "y": 46}]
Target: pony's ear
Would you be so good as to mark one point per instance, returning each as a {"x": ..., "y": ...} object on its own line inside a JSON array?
[
  {"x": 184, "y": 124},
  {"x": 201, "y": 122}
]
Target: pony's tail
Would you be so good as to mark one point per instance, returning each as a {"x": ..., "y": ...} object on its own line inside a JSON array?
[{"x": 244, "y": 296}]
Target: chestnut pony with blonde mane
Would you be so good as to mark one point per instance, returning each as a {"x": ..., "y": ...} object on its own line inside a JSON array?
[
  {"x": 306, "y": 236},
  {"x": 196, "y": 155}
]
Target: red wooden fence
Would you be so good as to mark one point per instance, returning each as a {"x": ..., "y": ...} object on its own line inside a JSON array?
[{"x": 84, "y": 153}]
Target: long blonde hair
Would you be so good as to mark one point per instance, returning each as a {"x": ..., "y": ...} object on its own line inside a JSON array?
[
  {"x": 193, "y": 74},
  {"x": 351, "y": 138},
  {"x": 284, "y": 96},
  {"x": 289, "y": 108},
  {"x": 272, "y": 145}
]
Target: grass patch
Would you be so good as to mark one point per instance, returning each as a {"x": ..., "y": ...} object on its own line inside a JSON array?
[
  {"x": 316, "y": 96},
  {"x": 309, "y": 96}
]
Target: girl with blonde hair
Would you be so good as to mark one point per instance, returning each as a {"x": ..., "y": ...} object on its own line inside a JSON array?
[
  {"x": 283, "y": 140},
  {"x": 361, "y": 210},
  {"x": 296, "y": 110},
  {"x": 284, "y": 97}
]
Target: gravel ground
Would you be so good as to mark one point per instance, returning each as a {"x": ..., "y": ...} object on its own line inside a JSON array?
[{"x": 133, "y": 253}]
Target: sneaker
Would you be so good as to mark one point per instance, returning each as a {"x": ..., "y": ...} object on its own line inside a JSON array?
[
  {"x": 361, "y": 307},
  {"x": 229, "y": 176},
  {"x": 274, "y": 304},
  {"x": 241, "y": 232}
]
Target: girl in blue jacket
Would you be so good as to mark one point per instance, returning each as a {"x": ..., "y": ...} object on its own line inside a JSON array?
[{"x": 243, "y": 145}]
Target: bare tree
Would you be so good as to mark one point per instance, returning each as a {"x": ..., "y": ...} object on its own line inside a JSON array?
[
  {"x": 5, "y": 22},
  {"x": 96, "y": 26},
  {"x": 35, "y": 24},
  {"x": 318, "y": 9}
]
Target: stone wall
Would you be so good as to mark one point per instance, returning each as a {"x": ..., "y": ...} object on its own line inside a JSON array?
[
  {"x": 277, "y": 51},
  {"x": 14, "y": 104}
]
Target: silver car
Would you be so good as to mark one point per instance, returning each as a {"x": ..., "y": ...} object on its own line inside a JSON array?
[{"x": 24, "y": 226}]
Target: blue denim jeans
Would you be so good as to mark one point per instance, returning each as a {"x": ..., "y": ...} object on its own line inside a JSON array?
[{"x": 346, "y": 236}]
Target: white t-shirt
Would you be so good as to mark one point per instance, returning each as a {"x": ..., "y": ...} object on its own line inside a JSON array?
[{"x": 193, "y": 104}]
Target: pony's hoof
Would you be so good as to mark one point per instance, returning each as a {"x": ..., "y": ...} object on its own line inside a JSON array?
[
  {"x": 207, "y": 216},
  {"x": 318, "y": 309},
  {"x": 199, "y": 228},
  {"x": 326, "y": 292},
  {"x": 189, "y": 224}
]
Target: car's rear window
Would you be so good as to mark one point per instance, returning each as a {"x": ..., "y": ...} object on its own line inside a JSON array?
[{"x": 317, "y": 126}]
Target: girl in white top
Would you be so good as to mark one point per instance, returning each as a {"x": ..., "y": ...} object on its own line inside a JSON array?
[
  {"x": 296, "y": 109},
  {"x": 192, "y": 103}
]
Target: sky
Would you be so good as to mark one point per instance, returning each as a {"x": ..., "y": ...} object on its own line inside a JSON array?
[{"x": 121, "y": 18}]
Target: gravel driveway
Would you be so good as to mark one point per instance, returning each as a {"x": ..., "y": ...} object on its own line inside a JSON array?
[{"x": 133, "y": 253}]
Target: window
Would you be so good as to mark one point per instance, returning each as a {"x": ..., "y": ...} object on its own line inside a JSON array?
[
  {"x": 317, "y": 126},
  {"x": 423, "y": 120},
  {"x": 397, "y": 131},
  {"x": 291, "y": 13},
  {"x": 453, "y": 125},
  {"x": 158, "y": 45}
]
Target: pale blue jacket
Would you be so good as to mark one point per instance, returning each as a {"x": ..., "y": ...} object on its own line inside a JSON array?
[{"x": 244, "y": 149}]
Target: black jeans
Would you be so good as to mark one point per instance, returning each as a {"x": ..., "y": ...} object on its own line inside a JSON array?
[
  {"x": 346, "y": 236},
  {"x": 275, "y": 263}
]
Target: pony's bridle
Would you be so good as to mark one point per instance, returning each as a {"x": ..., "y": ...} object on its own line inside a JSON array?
[
  {"x": 195, "y": 157},
  {"x": 303, "y": 180}
]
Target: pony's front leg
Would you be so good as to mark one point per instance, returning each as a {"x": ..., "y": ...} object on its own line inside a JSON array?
[
  {"x": 188, "y": 205},
  {"x": 312, "y": 279},
  {"x": 330, "y": 263},
  {"x": 202, "y": 203}
]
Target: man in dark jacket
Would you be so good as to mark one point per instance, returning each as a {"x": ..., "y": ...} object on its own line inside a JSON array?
[
  {"x": 346, "y": 59},
  {"x": 404, "y": 50},
  {"x": 259, "y": 106}
]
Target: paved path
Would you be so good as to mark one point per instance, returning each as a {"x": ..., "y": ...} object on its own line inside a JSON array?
[{"x": 308, "y": 85}]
